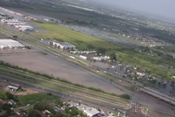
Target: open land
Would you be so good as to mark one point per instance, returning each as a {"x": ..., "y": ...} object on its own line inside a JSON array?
[{"x": 58, "y": 67}]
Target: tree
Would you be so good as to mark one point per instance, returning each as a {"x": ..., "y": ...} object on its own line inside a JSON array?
[
  {"x": 59, "y": 102},
  {"x": 101, "y": 51},
  {"x": 40, "y": 106},
  {"x": 8, "y": 111},
  {"x": 33, "y": 113},
  {"x": 9, "y": 95},
  {"x": 113, "y": 56}
]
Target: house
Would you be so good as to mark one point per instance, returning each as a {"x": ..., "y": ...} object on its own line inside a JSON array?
[
  {"x": 12, "y": 102},
  {"x": 46, "y": 112},
  {"x": 140, "y": 74},
  {"x": 57, "y": 109}
]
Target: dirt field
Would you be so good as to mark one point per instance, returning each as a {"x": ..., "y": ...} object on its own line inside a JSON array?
[{"x": 49, "y": 64}]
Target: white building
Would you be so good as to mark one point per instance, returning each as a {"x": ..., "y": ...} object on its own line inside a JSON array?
[
  {"x": 140, "y": 74},
  {"x": 13, "y": 87},
  {"x": 99, "y": 58},
  {"x": 83, "y": 57},
  {"x": 91, "y": 112},
  {"x": 9, "y": 43},
  {"x": 82, "y": 52},
  {"x": 64, "y": 45}
]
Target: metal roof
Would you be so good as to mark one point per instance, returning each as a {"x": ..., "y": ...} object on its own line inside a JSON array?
[{"x": 10, "y": 43}]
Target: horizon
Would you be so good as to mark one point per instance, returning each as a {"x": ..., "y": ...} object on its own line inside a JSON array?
[{"x": 162, "y": 8}]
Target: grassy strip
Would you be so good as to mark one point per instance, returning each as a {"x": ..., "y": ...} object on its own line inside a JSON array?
[{"x": 34, "y": 98}]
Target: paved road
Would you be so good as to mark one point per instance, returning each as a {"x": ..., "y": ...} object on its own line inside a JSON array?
[{"x": 63, "y": 96}]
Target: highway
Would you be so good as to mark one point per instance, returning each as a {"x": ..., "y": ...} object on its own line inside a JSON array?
[{"x": 63, "y": 96}]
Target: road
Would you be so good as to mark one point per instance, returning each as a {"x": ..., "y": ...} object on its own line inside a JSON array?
[{"x": 63, "y": 96}]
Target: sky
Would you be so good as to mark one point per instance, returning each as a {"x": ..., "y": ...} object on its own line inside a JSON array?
[{"x": 165, "y": 8}]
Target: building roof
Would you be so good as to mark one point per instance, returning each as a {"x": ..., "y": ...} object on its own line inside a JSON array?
[
  {"x": 10, "y": 43},
  {"x": 91, "y": 111},
  {"x": 66, "y": 44},
  {"x": 12, "y": 102}
]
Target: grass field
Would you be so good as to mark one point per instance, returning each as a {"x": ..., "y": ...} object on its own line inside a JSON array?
[
  {"x": 34, "y": 98},
  {"x": 82, "y": 41}
]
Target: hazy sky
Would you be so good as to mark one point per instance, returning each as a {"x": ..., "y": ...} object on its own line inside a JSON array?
[{"x": 164, "y": 8}]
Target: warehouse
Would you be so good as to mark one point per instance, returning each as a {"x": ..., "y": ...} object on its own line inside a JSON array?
[
  {"x": 9, "y": 43},
  {"x": 64, "y": 45}
]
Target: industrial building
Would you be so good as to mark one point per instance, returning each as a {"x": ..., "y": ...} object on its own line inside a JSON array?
[
  {"x": 64, "y": 45},
  {"x": 9, "y": 43},
  {"x": 21, "y": 26}
]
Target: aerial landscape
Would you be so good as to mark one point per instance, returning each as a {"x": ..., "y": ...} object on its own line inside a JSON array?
[{"x": 87, "y": 58}]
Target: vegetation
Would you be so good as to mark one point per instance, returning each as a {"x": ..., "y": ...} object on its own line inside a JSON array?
[
  {"x": 70, "y": 112},
  {"x": 79, "y": 39},
  {"x": 34, "y": 98},
  {"x": 126, "y": 96},
  {"x": 33, "y": 113}
]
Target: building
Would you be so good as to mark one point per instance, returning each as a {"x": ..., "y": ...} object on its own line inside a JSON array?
[
  {"x": 64, "y": 45},
  {"x": 83, "y": 57},
  {"x": 91, "y": 112},
  {"x": 10, "y": 43},
  {"x": 13, "y": 87},
  {"x": 99, "y": 58},
  {"x": 12, "y": 102}
]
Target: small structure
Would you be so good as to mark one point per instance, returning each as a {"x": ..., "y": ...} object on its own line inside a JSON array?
[
  {"x": 83, "y": 57},
  {"x": 57, "y": 109},
  {"x": 140, "y": 74},
  {"x": 13, "y": 87},
  {"x": 64, "y": 45},
  {"x": 46, "y": 112},
  {"x": 91, "y": 112},
  {"x": 82, "y": 52},
  {"x": 12, "y": 102},
  {"x": 99, "y": 58}
]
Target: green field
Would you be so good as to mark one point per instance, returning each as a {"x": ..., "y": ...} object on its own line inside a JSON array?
[
  {"x": 35, "y": 98},
  {"x": 82, "y": 41}
]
